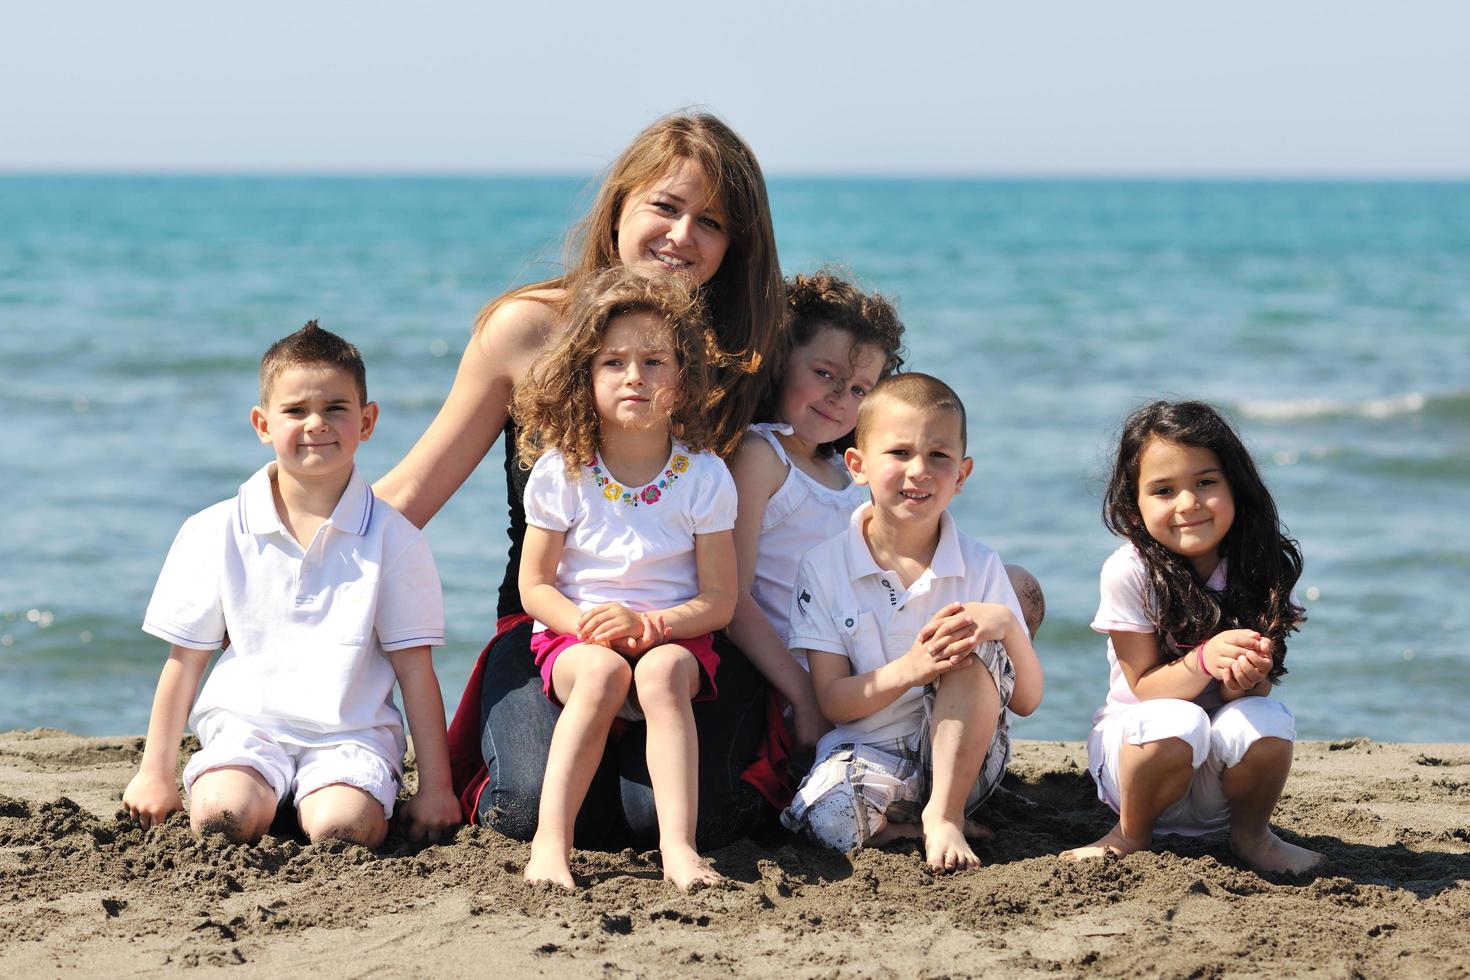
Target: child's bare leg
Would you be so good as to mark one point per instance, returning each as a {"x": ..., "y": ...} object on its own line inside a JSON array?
[
  {"x": 667, "y": 679},
  {"x": 235, "y": 801},
  {"x": 1253, "y": 786},
  {"x": 592, "y": 683},
  {"x": 966, "y": 707},
  {"x": 894, "y": 831},
  {"x": 341, "y": 812},
  {"x": 1151, "y": 778}
]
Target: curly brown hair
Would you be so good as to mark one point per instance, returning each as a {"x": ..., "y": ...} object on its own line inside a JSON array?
[
  {"x": 553, "y": 407},
  {"x": 745, "y": 297},
  {"x": 825, "y": 299}
]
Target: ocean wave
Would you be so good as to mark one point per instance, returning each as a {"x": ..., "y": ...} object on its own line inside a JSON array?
[{"x": 1411, "y": 403}]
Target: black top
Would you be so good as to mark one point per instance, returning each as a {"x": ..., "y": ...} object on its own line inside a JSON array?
[{"x": 515, "y": 489}]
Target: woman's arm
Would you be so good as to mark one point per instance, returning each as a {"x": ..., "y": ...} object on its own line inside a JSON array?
[
  {"x": 540, "y": 555},
  {"x": 714, "y": 604},
  {"x": 475, "y": 411},
  {"x": 758, "y": 474}
]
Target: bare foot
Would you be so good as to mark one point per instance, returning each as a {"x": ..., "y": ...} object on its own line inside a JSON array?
[
  {"x": 549, "y": 862},
  {"x": 975, "y": 830},
  {"x": 1271, "y": 853},
  {"x": 1113, "y": 842},
  {"x": 945, "y": 847},
  {"x": 892, "y": 832},
  {"x": 683, "y": 866}
]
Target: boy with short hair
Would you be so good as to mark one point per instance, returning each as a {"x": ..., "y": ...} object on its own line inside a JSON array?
[
  {"x": 327, "y": 595},
  {"x": 915, "y": 640}
]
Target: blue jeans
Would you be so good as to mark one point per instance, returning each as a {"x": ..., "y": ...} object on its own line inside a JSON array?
[{"x": 516, "y": 721}]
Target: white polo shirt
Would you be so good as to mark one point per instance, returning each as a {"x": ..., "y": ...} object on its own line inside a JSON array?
[
  {"x": 308, "y": 628},
  {"x": 845, "y": 603}
]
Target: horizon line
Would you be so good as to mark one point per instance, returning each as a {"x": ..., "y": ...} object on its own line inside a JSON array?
[{"x": 1039, "y": 175}]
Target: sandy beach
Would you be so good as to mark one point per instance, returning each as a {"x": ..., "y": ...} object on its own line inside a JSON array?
[{"x": 83, "y": 891}]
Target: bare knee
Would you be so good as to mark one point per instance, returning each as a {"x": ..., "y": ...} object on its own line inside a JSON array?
[
  {"x": 1267, "y": 754},
  {"x": 363, "y": 827},
  {"x": 607, "y": 677},
  {"x": 238, "y": 825},
  {"x": 1167, "y": 754},
  {"x": 667, "y": 674}
]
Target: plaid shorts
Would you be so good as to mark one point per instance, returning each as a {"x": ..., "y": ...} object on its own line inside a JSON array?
[{"x": 856, "y": 790}]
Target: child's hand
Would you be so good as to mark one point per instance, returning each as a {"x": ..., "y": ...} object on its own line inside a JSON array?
[
  {"x": 1250, "y": 668},
  {"x": 432, "y": 815},
  {"x": 951, "y": 635},
  {"x": 613, "y": 625},
  {"x": 150, "y": 798},
  {"x": 1223, "y": 650}
]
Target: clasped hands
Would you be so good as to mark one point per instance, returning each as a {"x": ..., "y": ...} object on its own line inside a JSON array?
[
  {"x": 948, "y": 641},
  {"x": 622, "y": 630},
  {"x": 1238, "y": 659}
]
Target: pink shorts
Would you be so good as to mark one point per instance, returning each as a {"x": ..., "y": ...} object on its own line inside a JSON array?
[{"x": 547, "y": 645}]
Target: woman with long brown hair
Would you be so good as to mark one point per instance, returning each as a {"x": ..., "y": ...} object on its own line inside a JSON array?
[{"x": 686, "y": 198}]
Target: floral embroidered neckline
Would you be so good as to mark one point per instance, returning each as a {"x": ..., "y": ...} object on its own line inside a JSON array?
[{"x": 652, "y": 493}]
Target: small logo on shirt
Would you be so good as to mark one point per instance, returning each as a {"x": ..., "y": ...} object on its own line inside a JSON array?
[
  {"x": 892, "y": 594},
  {"x": 802, "y": 600}
]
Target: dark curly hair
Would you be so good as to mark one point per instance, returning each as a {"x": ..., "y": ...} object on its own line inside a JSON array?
[
  {"x": 553, "y": 406},
  {"x": 821, "y": 300},
  {"x": 1263, "y": 563}
]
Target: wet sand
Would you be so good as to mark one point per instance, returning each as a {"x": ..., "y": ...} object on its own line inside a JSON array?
[{"x": 84, "y": 891}]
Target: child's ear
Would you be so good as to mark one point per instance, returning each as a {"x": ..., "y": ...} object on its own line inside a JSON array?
[
  {"x": 967, "y": 466},
  {"x": 853, "y": 457},
  {"x": 369, "y": 420},
  {"x": 260, "y": 422}
]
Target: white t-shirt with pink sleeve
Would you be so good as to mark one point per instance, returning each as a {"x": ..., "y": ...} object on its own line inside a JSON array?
[
  {"x": 630, "y": 545},
  {"x": 1124, "y": 608}
]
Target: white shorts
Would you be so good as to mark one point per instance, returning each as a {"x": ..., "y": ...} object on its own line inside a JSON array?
[
  {"x": 292, "y": 764},
  {"x": 1219, "y": 740}
]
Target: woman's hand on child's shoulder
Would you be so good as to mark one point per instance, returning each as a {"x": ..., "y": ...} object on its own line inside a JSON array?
[{"x": 150, "y": 798}]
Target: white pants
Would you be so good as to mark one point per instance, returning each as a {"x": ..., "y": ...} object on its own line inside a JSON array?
[{"x": 1218, "y": 739}]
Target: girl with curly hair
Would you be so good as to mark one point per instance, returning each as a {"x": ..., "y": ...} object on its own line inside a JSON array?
[{"x": 628, "y": 559}]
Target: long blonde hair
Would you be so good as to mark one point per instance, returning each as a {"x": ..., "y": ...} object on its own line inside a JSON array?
[
  {"x": 554, "y": 407},
  {"x": 745, "y": 298}
]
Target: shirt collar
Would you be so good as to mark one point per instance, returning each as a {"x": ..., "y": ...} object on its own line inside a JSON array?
[
  {"x": 948, "y": 560},
  {"x": 255, "y": 505}
]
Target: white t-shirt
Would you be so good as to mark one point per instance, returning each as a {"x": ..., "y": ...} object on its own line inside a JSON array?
[
  {"x": 800, "y": 515},
  {"x": 1124, "y": 608},
  {"x": 844, "y": 603},
  {"x": 309, "y": 629},
  {"x": 630, "y": 545}
]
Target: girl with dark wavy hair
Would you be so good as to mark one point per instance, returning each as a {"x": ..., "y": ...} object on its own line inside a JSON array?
[{"x": 1197, "y": 605}]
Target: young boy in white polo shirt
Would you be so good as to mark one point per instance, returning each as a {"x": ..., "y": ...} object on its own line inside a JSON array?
[
  {"x": 915, "y": 640},
  {"x": 327, "y": 596}
]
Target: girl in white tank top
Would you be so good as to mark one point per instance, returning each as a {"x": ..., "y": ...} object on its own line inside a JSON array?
[{"x": 794, "y": 490}]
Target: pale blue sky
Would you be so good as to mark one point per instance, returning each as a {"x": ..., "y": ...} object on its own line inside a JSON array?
[{"x": 1249, "y": 87}]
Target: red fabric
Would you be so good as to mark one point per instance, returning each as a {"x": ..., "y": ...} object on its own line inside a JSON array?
[
  {"x": 467, "y": 771},
  {"x": 767, "y": 773},
  {"x": 547, "y": 645}
]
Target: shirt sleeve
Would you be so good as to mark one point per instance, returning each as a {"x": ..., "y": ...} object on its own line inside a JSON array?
[
  {"x": 551, "y": 499},
  {"x": 713, "y": 509},
  {"x": 998, "y": 589},
  {"x": 186, "y": 609},
  {"x": 811, "y": 610},
  {"x": 410, "y": 603},
  {"x": 1123, "y": 606}
]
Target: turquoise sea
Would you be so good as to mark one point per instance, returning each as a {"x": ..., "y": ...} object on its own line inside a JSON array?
[{"x": 1332, "y": 321}]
